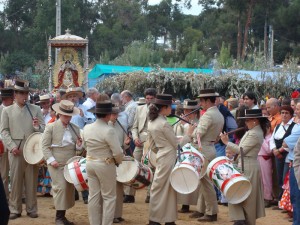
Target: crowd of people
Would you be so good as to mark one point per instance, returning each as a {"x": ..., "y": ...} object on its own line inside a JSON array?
[{"x": 105, "y": 128}]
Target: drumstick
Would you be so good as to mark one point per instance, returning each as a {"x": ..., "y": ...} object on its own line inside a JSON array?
[
  {"x": 242, "y": 158},
  {"x": 74, "y": 131},
  {"x": 30, "y": 111},
  {"x": 195, "y": 110},
  {"x": 180, "y": 118},
  {"x": 122, "y": 127}
]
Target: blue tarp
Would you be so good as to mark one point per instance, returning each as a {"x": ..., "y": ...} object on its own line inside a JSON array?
[{"x": 100, "y": 71}]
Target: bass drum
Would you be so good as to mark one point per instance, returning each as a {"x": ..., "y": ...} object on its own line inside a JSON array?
[{"x": 32, "y": 149}]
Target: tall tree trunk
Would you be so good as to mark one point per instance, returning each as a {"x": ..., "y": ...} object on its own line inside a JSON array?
[
  {"x": 266, "y": 34},
  {"x": 247, "y": 26},
  {"x": 239, "y": 38}
]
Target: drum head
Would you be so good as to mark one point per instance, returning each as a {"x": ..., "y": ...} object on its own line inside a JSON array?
[
  {"x": 237, "y": 190},
  {"x": 66, "y": 170},
  {"x": 184, "y": 179},
  {"x": 127, "y": 171},
  {"x": 32, "y": 149}
]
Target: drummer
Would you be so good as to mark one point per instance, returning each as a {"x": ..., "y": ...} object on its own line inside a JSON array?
[
  {"x": 7, "y": 97},
  {"x": 210, "y": 125},
  {"x": 162, "y": 139},
  {"x": 103, "y": 154},
  {"x": 59, "y": 143},
  {"x": 18, "y": 122},
  {"x": 121, "y": 137},
  {"x": 252, "y": 208},
  {"x": 188, "y": 107}
]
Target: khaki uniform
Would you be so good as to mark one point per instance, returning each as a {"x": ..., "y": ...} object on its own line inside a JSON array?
[
  {"x": 139, "y": 130},
  {"x": 101, "y": 143},
  {"x": 210, "y": 125},
  {"x": 63, "y": 191},
  {"x": 163, "y": 204},
  {"x": 253, "y": 207},
  {"x": 119, "y": 189},
  {"x": 16, "y": 126},
  {"x": 4, "y": 164}
]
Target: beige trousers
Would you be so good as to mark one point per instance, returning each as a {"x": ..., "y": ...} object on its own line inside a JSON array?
[
  {"x": 207, "y": 200},
  {"x": 4, "y": 169},
  {"x": 22, "y": 173},
  {"x": 102, "y": 192},
  {"x": 119, "y": 200}
]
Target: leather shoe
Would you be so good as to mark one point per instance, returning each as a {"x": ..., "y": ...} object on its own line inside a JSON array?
[
  {"x": 153, "y": 223},
  {"x": 63, "y": 221},
  {"x": 268, "y": 204},
  {"x": 208, "y": 218},
  {"x": 147, "y": 200},
  {"x": 121, "y": 219},
  {"x": 170, "y": 223},
  {"x": 13, "y": 216},
  {"x": 85, "y": 201},
  {"x": 239, "y": 222},
  {"x": 32, "y": 215},
  {"x": 116, "y": 220},
  {"x": 184, "y": 209},
  {"x": 129, "y": 199},
  {"x": 196, "y": 214}
]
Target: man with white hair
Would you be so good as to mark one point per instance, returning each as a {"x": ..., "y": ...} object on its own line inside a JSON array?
[
  {"x": 130, "y": 106},
  {"x": 92, "y": 95}
]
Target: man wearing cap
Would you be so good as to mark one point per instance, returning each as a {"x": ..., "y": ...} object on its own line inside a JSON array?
[
  {"x": 45, "y": 105},
  {"x": 81, "y": 119},
  {"x": 210, "y": 125},
  {"x": 7, "y": 97},
  {"x": 60, "y": 141},
  {"x": 73, "y": 95},
  {"x": 139, "y": 136},
  {"x": 18, "y": 122},
  {"x": 103, "y": 154}
]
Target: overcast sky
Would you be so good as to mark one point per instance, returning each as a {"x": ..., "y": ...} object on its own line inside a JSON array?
[{"x": 195, "y": 9}]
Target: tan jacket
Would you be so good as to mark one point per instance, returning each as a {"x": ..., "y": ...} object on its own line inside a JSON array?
[
  {"x": 140, "y": 121},
  {"x": 101, "y": 141},
  {"x": 209, "y": 128},
  {"x": 53, "y": 136},
  {"x": 251, "y": 142},
  {"x": 16, "y": 124}
]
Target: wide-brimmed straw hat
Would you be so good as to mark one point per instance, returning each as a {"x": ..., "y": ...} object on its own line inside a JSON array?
[
  {"x": 190, "y": 104},
  {"x": 22, "y": 85},
  {"x": 141, "y": 101},
  {"x": 66, "y": 108},
  {"x": 253, "y": 114},
  {"x": 6, "y": 92},
  {"x": 70, "y": 91},
  {"x": 163, "y": 99},
  {"x": 44, "y": 98},
  {"x": 208, "y": 93},
  {"x": 104, "y": 107},
  {"x": 32, "y": 150}
]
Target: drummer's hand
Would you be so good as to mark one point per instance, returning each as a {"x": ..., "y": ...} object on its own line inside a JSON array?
[
  {"x": 138, "y": 142},
  {"x": 54, "y": 164},
  {"x": 79, "y": 142},
  {"x": 127, "y": 140},
  {"x": 190, "y": 130},
  {"x": 35, "y": 122},
  {"x": 181, "y": 121},
  {"x": 224, "y": 138},
  {"x": 15, "y": 151}
]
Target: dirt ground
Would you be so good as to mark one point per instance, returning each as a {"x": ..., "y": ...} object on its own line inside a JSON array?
[{"x": 134, "y": 214}]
